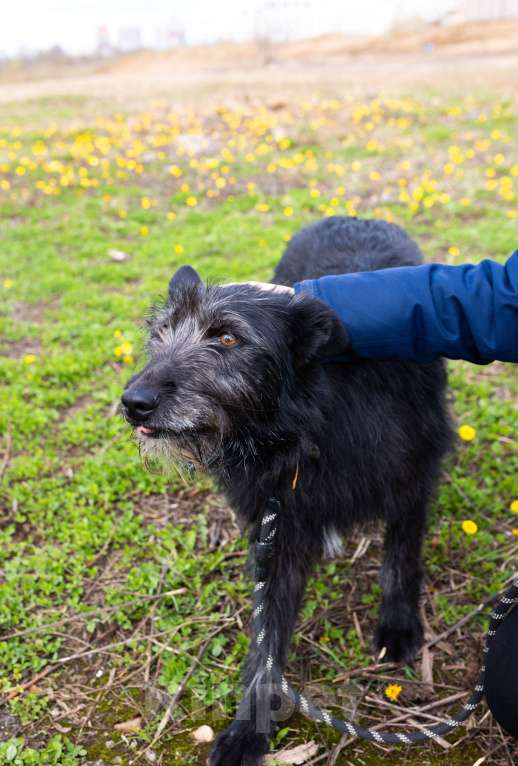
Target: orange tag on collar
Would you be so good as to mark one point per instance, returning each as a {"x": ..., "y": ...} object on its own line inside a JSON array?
[{"x": 295, "y": 477}]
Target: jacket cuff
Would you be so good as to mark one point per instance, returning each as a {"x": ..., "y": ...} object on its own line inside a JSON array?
[{"x": 308, "y": 286}]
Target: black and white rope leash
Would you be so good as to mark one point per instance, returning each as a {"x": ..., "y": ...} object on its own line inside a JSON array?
[{"x": 264, "y": 551}]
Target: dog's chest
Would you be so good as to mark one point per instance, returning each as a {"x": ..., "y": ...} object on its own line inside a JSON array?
[{"x": 333, "y": 545}]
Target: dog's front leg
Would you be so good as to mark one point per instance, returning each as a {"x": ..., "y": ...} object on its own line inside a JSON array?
[{"x": 246, "y": 740}]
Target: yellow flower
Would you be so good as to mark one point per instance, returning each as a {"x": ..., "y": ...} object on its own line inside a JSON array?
[
  {"x": 117, "y": 334},
  {"x": 29, "y": 358},
  {"x": 262, "y": 207},
  {"x": 8, "y": 283},
  {"x": 191, "y": 201},
  {"x": 393, "y": 691},
  {"x": 469, "y": 527},
  {"x": 124, "y": 349},
  {"x": 288, "y": 211},
  {"x": 128, "y": 359},
  {"x": 514, "y": 506},
  {"x": 514, "y": 532},
  {"x": 122, "y": 213},
  {"x": 144, "y": 231},
  {"x": 453, "y": 250},
  {"x": 467, "y": 433},
  {"x": 179, "y": 249},
  {"x": 171, "y": 215}
]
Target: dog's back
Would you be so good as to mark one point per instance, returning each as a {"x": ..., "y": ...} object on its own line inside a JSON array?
[{"x": 340, "y": 245}]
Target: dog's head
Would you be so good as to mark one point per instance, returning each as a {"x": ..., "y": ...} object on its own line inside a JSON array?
[{"x": 222, "y": 361}]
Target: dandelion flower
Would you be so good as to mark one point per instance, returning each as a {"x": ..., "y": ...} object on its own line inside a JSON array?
[
  {"x": 144, "y": 231},
  {"x": 8, "y": 283},
  {"x": 179, "y": 249},
  {"x": 514, "y": 532},
  {"x": 288, "y": 211},
  {"x": 467, "y": 433},
  {"x": 191, "y": 201},
  {"x": 29, "y": 358},
  {"x": 124, "y": 349},
  {"x": 469, "y": 527},
  {"x": 453, "y": 250},
  {"x": 393, "y": 691},
  {"x": 514, "y": 506}
]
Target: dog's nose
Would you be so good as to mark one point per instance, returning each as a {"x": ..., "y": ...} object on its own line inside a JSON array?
[{"x": 140, "y": 401}]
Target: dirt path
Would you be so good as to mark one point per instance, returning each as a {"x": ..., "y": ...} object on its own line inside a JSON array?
[{"x": 210, "y": 79}]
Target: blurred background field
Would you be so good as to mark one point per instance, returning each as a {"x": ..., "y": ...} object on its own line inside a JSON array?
[{"x": 115, "y": 168}]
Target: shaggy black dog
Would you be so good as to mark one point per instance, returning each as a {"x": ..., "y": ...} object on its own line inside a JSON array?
[{"x": 248, "y": 384}]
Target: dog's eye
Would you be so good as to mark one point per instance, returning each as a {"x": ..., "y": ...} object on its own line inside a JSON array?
[{"x": 227, "y": 339}]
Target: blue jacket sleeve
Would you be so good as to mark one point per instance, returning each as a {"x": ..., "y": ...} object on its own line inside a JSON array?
[{"x": 421, "y": 312}]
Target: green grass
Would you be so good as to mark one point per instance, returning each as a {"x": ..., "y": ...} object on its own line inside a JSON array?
[{"x": 134, "y": 570}]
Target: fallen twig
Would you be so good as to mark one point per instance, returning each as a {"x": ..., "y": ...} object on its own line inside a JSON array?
[
  {"x": 93, "y": 613},
  {"x": 467, "y": 617},
  {"x": 180, "y": 690},
  {"x": 7, "y": 451}
]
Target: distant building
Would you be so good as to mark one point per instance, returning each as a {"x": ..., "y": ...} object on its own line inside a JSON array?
[
  {"x": 129, "y": 39},
  {"x": 169, "y": 36},
  {"x": 483, "y": 10},
  {"x": 104, "y": 46}
]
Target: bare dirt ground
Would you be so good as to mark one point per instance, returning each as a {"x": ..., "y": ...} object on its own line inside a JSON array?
[{"x": 435, "y": 57}]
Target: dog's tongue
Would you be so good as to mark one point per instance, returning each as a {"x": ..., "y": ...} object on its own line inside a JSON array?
[{"x": 145, "y": 430}]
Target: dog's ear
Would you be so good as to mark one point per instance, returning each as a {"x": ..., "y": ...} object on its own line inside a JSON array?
[
  {"x": 186, "y": 276},
  {"x": 316, "y": 331}
]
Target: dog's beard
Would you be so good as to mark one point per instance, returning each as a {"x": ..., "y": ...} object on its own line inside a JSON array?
[{"x": 186, "y": 451}]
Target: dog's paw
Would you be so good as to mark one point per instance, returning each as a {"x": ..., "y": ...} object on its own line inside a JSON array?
[
  {"x": 400, "y": 634},
  {"x": 239, "y": 745}
]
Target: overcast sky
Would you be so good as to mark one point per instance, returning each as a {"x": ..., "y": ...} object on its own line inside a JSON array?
[{"x": 38, "y": 24}]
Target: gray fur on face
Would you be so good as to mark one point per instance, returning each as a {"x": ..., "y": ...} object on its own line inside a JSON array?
[{"x": 203, "y": 386}]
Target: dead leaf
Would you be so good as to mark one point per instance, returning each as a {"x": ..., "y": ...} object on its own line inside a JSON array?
[
  {"x": 296, "y": 755},
  {"x": 117, "y": 255},
  {"x": 133, "y": 726},
  {"x": 203, "y": 734}
]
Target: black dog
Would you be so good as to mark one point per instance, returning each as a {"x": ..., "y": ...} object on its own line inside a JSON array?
[{"x": 246, "y": 383}]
